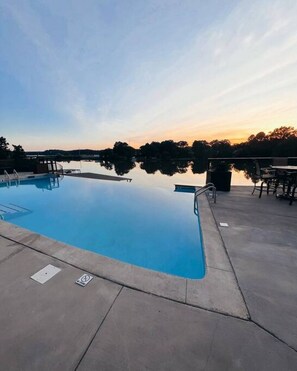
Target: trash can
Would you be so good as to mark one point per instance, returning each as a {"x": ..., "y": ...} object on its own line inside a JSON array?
[{"x": 221, "y": 179}]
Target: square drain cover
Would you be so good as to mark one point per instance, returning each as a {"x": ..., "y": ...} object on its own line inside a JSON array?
[
  {"x": 45, "y": 274},
  {"x": 224, "y": 225}
]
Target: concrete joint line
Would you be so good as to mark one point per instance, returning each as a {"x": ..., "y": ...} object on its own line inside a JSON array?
[
  {"x": 128, "y": 286},
  {"x": 239, "y": 288},
  {"x": 219, "y": 269},
  {"x": 273, "y": 335},
  {"x": 12, "y": 254},
  {"x": 98, "y": 329}
]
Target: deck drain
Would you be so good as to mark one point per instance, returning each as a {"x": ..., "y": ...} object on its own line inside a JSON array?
[
  {"x": 224, "y": 225},
  {"x": 45, "y": 274},
  {"x": 84, "y": 280}
]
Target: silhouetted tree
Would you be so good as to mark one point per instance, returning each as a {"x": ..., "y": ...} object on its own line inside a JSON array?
[
  {"x": 199, "y": 166},
  {"x": 182, "y": 144},
  {"x": 168, "y": 149},
  {"x": 150, "y": 150},
  {"x": 106, "y": 164},
  {"x": 260, "y": 137},
  {"x": 122, "y": 167},
  {"x": 279, "y": 142},
  {"x": 106, "y": 153},
  {"x": 168, "y": 168},
  {"x": 18, "y": 152},
  {"x": 165, "y": 167},
  {"x": 201, "y": 148},
  {"x": 4, "y": 150},
  {"x": 282, "y": 133},
  {"x": 150, "y": 166},
  {"x": 122, "y": 149},
  {"x": 221, "y": 148},
  {"x": 183, "y": 149}
]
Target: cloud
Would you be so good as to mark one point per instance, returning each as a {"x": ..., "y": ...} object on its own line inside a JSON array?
[{"x": 151, "y": 71}]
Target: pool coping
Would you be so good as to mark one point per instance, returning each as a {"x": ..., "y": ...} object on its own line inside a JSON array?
[{"x": 218, "y": 291}]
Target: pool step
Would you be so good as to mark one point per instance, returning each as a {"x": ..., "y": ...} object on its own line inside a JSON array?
[
  {"x": 9, "y": 211},
  {"x": 185, "y": 188}
]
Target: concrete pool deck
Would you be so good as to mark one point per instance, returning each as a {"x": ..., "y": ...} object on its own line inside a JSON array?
[{"x": 112, "y": 325}]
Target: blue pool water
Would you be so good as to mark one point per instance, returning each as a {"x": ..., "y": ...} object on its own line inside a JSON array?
[{"x": 151, "y": 227}]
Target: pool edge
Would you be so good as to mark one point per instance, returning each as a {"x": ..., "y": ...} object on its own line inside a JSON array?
[{"x": 217, "y": 291}]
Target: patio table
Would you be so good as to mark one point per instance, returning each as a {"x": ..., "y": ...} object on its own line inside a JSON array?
[
  {"x": 286, "y": 175},
  {"x": 284, "y": 168}
]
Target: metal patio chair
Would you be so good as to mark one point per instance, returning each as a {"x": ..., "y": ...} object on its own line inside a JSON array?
[{"x": 266, "y": 177}]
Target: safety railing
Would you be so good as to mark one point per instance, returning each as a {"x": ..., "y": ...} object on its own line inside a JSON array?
[
  {"x": 16, "y": 175},
  {"x": 7, "y": 178},
  {"x": 59, "y": 172},
  {"x": 11, "y": 179},
  {"x": 208, "y": 187},
  {"x": 6, "y": 175},
  {"x": 14, "y": 178}
]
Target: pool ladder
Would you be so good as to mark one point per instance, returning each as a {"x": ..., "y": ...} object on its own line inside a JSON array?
[
  {"x": 208, "y": 187},
  {"x": 12, "y": 177}
]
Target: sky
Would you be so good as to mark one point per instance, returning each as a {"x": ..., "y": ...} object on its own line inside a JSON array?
[{"x": 84, "y": 74}]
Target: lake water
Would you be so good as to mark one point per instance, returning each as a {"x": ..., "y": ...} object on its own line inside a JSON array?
[{"x": 140, "y": 176}]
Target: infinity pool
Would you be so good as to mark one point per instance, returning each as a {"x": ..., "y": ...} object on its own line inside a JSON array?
[{"x": 151, "y": 227}]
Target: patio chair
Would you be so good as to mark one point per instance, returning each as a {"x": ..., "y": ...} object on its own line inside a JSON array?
[
  {"x": 267, "y": 178},
  {"x": 288, "y": 182},
  {"x": 292, "y": 187}
]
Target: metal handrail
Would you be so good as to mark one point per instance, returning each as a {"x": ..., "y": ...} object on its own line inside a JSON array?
[
  {"x": 7, "y": 177},
  {"x": 205, "y": 186},
  {"x": 201, "y": 190},
  {"x": 16, "y": 174},
  {"x": 60, "y": 169},
  {"x": 208, "y": 186}
]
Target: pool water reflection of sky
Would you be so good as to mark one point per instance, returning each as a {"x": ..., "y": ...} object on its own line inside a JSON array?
[
  {"x": 144, "y": 222},
  {"x": 140, "y": 177}
]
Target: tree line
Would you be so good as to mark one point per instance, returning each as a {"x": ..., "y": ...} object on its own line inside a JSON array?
[
  {"x": 279, "y": 142},
  {"x": 6, "y": 153}
]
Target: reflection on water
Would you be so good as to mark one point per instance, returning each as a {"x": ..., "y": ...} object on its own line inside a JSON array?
[
  {"x": 130, "y": 222},
  {"x": 165, "y": 167},
  {"x": 47, "y": 183},
  {"x": 164, "y": 172},
  {"x": 12, "y": 204}
]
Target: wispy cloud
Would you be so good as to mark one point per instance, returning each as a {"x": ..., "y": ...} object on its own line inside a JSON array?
[{"x": 139, "y": 72}]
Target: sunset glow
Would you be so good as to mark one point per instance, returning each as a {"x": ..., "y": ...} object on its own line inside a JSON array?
[{"x": 95, "y": 72}]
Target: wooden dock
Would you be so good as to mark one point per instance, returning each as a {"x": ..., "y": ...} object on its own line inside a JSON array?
[{"x": 98, "y": 176}]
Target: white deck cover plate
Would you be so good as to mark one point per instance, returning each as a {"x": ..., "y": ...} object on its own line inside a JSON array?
[
  {"x": 84, "y": 280},
  {"x": 224, "y": 225},
  {"x": 45, "y": 274}
]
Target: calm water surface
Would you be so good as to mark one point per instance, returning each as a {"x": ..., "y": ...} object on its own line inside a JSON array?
[
  {"x": 140, "y": 176},
  {"x": 142, "y": 222}
]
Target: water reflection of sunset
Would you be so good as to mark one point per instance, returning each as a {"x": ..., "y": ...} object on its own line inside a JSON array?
[{"x": 140, "y": 176}]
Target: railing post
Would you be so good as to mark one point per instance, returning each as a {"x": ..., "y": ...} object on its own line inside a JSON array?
[{"x": 7, "y": 177}]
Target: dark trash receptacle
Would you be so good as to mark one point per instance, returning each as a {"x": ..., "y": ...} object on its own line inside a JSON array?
[
  {"x": 221, "y": 179},
  {"x": 41, "y": 168}
]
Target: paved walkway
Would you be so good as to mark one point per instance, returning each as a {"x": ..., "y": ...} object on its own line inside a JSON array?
[
  {"x": 261, "y": 242},
  {"x": 105, "y": 326}
]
